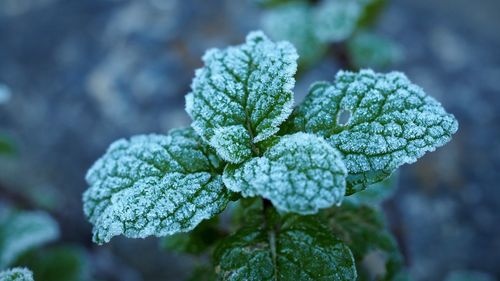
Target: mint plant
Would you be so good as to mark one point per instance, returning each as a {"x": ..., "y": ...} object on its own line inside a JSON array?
[{"x": 288, "y": 169}]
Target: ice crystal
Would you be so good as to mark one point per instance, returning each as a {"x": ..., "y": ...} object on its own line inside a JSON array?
[
  {"x": 22, "y": 231},
  {"x": 249, "y": 86},
  {"x": 392, "y": 122},
  {"x": 301, "y": 173},
  {"x": 153, "y": 185},
  {"x": 302, "y": 249},
  {"x": 16, "y": 274}
]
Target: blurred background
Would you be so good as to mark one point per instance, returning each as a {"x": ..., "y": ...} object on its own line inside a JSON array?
[{"x": 77, "y": 75}]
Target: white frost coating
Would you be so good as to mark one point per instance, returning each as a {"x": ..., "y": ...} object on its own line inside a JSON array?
[
  {"x": 249, "y": 85},
  {"x": 153, "y": 185},
  {"x": 301, "y": 173},
  {"x": 335, "y": 20},
  {"x": 232, "y": 143},
  {"x": 16, "y": 274},
  {"x": 23, "y": 231},
  {"x": 392, "y": 121}
]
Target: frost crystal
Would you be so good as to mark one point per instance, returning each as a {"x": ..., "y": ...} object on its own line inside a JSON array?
[
  {"x": 301, "y": 173},
  {"x": 301, "y": 250},
  {"x": 242, "y": 87},
  {"x": 153, "y": 185},
  {"x": 392, "y": 122},
  {"x": 20, "y": 232},
  {"x": 16, "y": 274}
]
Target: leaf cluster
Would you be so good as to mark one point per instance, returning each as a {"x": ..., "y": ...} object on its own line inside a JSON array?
[{"x": 290, "y": 166}]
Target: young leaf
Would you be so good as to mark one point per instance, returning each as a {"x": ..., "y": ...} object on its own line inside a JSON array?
[
  {"x": 16, "y": 274},
  {"x": 299, "y": 249},
  {"x": 388, "y": 122},
  {"x": 242, "y": 95},
  {"x": 22, "y": 231},
  {"x": 154, "y": 185},
  {"x": 363, "y": 229},
  {"x": 301, "y": 173}
]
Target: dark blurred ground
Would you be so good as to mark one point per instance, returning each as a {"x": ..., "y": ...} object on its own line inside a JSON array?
[{"x": 84, "y": 73}]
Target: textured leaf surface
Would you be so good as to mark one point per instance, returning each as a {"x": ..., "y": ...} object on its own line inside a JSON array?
[
  {"x": 299, "y": 249},
  {"x": 20, "y": 232},
  {"x": 16, "y": 274},
  {"x": 363, "y": 229},
  {"x": 294, "y": 22},
  {"x": 377, "y": 121},
  {"x": 301, "y": 173},
  {"x": 154, "y": 185},
  {"x": 242, "y": 94}
]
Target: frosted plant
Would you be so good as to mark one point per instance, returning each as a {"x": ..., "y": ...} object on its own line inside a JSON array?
[
  {"x": 22, "y": 231},
  {"x": 289, "y": 169},
  {"x": 16, "y": 274}
]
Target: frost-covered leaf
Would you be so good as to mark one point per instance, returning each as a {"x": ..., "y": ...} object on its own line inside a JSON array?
[
  {"x": 154, "y": 185},
  {"x": 301, "y": 173},
  {"x": 371, "y": 50},
  {"x": 363, "y": 229},
  {"x": 336, "y": 20},
  {"x": 61, "y": 263},
  {"x": 294, "y": 22},
  {"x": 298, "y": 249},
  {"x": 22, "y": 231},
  {"x": 377, "y": 121},
  {"x": 16, "y": 274},
  {"x": 242, "y": 95}
]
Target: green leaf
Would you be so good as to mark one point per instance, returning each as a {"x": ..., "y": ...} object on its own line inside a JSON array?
[
  {"x": 376, "y": 193},
  {"x": 299, "y": 249},
  {"x": 22, "y": 231},
  {"x": 301, "y": 173},
  {"x": 196, "y": 241},
  {"x": 242, "y": 95},
  {"x": 370, "y": 50},
  {"x": 61, "y": 263},
  {"x": 336, "y": 20},
  {"x": 154, "y": 185},
  {"x": 16, "y": 274},
  {"x": 363, "y": 229},
  {"x": 377, "y": 121},
  {"x": 294, "y": 22}
]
